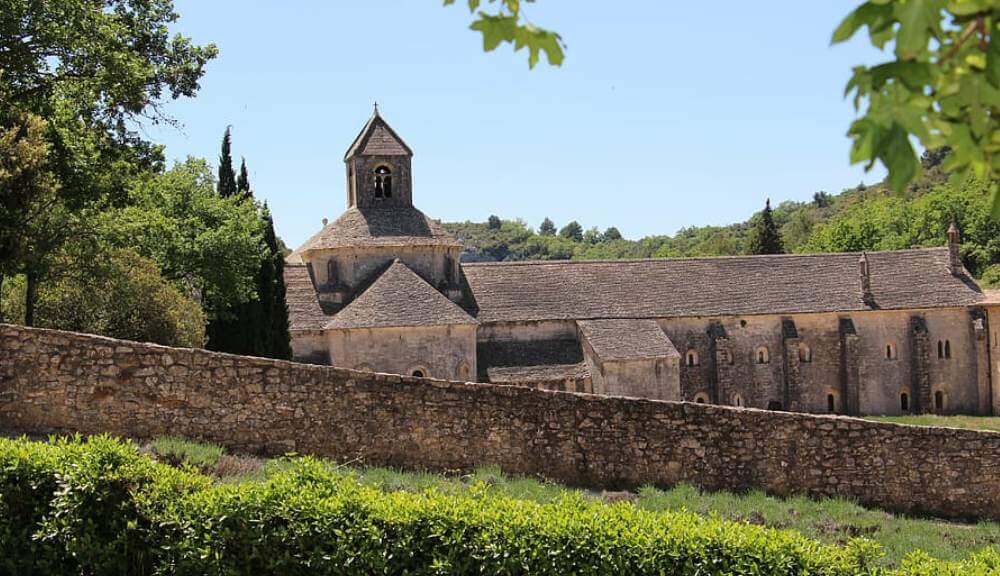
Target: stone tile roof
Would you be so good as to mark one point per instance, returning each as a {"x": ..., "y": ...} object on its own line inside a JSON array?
[
  {"x": 304, "y": 312},
  {"x": 377, "y": 138},
  {"x": 541, "y": 373},
  {"x": 991, "y": 297},
  {"x": 530, "y": 360},
  {"x": 627, "y": 339},
  {"x": 394, "y": 226},
  {"x": 780, "y": 284},
  {"x": 399, "y": 298}
]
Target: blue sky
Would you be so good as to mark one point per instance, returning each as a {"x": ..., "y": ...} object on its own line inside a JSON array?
[{"x": 664, "y": 115}]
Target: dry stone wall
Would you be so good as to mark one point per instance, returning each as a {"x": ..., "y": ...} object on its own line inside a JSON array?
[{"x": 54, "y": 381}]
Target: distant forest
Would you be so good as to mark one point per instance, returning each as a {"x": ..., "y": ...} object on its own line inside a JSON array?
[{"x": 860, "y": 218}]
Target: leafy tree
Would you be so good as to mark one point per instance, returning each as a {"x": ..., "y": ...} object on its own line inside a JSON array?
[
  {"x": 765, "y": 238},
  {"x": 547, "y": 228},
  {"x": 210, "y": 245},
  {"x": 592, "y": 235},
  {"x": 612, "y": 233},
  {"x": 821, "y": 199},
  {"x": 258, "y": 327},
  {"x": 494, "y": 222},
  {"x": 110, "y": 60},
  {"x": 29, "y": 199},
  {"x": 508, "y": 25},
  {"x": 991, "y": 276},
  {"x": 123, "y": 296},
  {"x": 89, "y": 69},
  {"x": 227, "y": 178},
  {"x": 880, "y": 222},
  {"x": 942, "y": 87},
  {"x": 573, "y": 231}
]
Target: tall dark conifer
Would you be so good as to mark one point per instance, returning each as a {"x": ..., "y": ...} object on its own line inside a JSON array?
[
  {"x": 275, "y": 340},
  {"x": 243, "y": 180},
  {"x": 765, "y": 237},
  {"x": 258, "y": 327},
  {"x": 227, "y": 177}
]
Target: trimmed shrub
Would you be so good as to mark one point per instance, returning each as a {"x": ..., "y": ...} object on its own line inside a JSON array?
[{"x": 98, "y": 506}]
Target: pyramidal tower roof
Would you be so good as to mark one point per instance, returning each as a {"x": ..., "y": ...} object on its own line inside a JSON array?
[
  {"x": 399, "y": 298},
  {"x": 377, "y": 138}
]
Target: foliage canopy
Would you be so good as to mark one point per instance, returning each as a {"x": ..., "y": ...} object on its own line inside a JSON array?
[{"x": 942, "y": 87}]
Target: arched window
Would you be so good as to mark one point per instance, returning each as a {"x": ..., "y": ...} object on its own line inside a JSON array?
[
  {"x": 939, "y": 401},
  {"x": 774, "y": 405},
  {"x": 805, "y": 353},
  {"x": 738, "y": 400},
  {"x": 947, "y": 348},
  {"x": 463, "y": 372},
  {"x": 831, "y": 403},
  {"x": 904, "y": 402},
  {"x": 762, "y": 355},
  {"x": 940, "y": 349},
  {"x": 331, "y": 272},
  {"x": 383, "y": 182},
  {"x": 701, "y": 398},
  {"x": 418, "y": 373},
  {"x": 890, "y": 351},
  {"x": 692, "y": 358}
]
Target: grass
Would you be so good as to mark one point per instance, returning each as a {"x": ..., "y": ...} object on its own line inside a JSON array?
[
  {"x": 989, "y": 423},
  {"x": 831, "y": 521}
]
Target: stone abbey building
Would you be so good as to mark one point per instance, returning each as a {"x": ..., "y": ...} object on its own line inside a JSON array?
[{"x": 383, "y": 288}]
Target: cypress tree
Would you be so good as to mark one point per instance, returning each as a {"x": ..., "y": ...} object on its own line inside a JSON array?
[
  {"x": 243, "y": 181},
  {"x": 275, "y": 341},
  {"x": 227, "y": 178},
  {"x": 765, "y": 237}
]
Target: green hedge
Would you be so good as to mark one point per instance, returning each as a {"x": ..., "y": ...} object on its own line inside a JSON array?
[{"x": 97, "y": 506}]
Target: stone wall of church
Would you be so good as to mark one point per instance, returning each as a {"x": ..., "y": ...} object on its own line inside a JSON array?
[
  {"x": 657, "y": 379},
  {"x": 354, "y": 268},
  {"x": 993, "y": 353},
  {"x": 54, "y": 381},
  {"x": 863, "y": 372},
  {"x": 310, "y": 347},
  {"x": 447, "y": 352},
  {"x": 862, "y": 363}
]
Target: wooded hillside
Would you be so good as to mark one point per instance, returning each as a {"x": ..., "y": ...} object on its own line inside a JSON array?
[{"x": 860, "y": 218}]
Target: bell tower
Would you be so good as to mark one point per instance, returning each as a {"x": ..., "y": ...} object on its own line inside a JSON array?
[{"x": 378, "y": 168}]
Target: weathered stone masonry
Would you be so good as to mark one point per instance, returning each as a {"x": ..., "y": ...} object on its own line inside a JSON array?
[{"x": 59, "y": 381}]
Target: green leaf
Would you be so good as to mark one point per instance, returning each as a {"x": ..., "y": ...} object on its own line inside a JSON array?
[
  {"x": 898, "y": 156},
  {"x": 874, "y": 15},
  {"x": 866, "y": 135},
  {"x": 495, "y": 29},
  {"x": 919, "y": 21},
  {"x": 914, "y": 75}
]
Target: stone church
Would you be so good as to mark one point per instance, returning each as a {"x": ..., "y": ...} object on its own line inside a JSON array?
[{"x": 383, "y": 288}]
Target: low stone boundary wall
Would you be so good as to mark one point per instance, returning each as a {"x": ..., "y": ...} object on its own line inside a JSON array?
[{"x": 53, "y": 381}]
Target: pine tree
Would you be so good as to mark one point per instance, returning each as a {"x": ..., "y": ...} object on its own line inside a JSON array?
[
  {"x": 227, "y": 178},
  {"x": 765, "y": 237},
  {"x": 612, "y": 233},
  {"x": 243, "y": 181},
  {"x": 547, "y": 228},
  {"x": 572, "y": 231}
]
